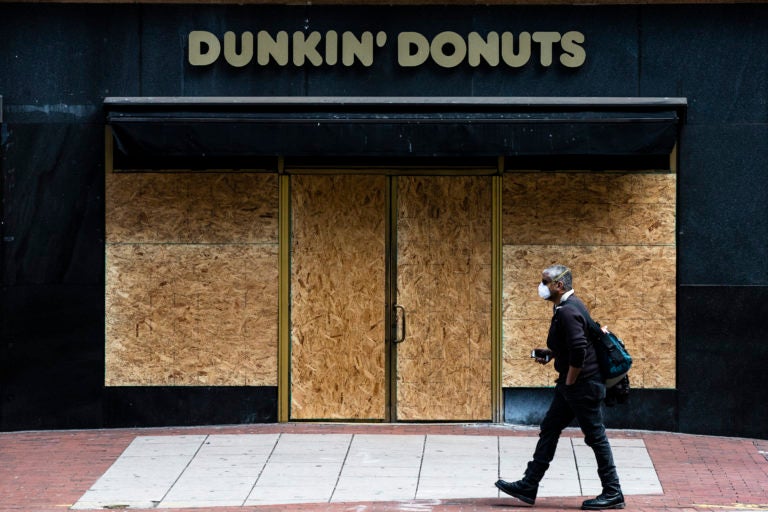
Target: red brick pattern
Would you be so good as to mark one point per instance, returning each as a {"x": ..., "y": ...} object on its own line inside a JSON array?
[{"x": 50, "y": 471}]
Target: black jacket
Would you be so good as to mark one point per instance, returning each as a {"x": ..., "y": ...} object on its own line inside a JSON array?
[{"x": 569, "y": 343}]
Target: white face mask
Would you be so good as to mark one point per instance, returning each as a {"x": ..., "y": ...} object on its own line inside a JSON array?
[{"x": 544, "y": 292}]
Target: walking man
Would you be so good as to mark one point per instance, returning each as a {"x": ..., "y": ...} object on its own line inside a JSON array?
[{"x": 579, "y": 393}]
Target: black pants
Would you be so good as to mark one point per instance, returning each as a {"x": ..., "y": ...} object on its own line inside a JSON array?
[{"x": 582, "y": 401}]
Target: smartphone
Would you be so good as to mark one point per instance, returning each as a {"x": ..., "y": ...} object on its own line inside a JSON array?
[{"x": 535, "y": 354}]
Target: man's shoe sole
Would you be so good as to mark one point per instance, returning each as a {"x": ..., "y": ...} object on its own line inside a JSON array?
[
  {"x": 524, "y": 499},
  {"x": 611, "y": 507}
]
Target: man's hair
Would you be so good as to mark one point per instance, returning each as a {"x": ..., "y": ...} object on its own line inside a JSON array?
[{"x": 560, "y": 273}]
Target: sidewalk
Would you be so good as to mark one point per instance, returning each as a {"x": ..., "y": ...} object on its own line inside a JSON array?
[{"x": 356, "y": 467}]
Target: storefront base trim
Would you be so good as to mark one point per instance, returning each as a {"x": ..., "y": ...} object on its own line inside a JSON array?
[
  {"x": 188, "y": 406},
  {"x": 647, "y": 409}
]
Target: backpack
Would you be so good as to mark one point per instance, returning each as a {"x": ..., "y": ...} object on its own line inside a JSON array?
[{"x": 612, "y": 355}]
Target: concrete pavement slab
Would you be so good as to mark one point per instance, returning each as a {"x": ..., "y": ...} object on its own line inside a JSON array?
[{"x": 233, "y": 471}]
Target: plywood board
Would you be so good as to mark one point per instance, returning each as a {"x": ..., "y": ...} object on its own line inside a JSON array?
[
  {"x": 191, "y": 208},
  {"x": 588, "y": 209},
  {"x": 616, "y": 231},
  {"x": 444, "y": 282},
  {"x": 191, "y": 285},
  {"x": 338, "y": 297},
  {"x": 191, "y": 315}
]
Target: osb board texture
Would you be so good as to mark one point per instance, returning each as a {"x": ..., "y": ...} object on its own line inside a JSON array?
[
  {"x": 444, "y": 284},
  {"x": 191, "y": 208},
  {"x": 617, "y": 233},
  {"x": 191, "y": 279},
  {"x": 338, "y": 297}
]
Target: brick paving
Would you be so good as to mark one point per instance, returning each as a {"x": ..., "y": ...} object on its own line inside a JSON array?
[{"x": 50, "y": 471}]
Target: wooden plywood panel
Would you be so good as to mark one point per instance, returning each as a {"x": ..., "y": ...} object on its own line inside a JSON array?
[
  {"x": 191, "y": 315},
  {"x": 338, "y": 297},
  {"x": 619, "y": 241},
  {"x": 444, "y": 282},
  {"x": 191, "y": 288},
  {"x": 591, "y": 209},
  {"x": 191, "y": 207},
  {"x": 146, "y": 207}
]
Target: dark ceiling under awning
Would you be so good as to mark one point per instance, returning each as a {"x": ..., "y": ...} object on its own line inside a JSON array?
[{"x": 152, "y": 133}]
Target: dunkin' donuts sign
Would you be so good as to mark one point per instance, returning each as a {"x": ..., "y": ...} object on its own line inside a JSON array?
[{"x": 446, "y": 49}]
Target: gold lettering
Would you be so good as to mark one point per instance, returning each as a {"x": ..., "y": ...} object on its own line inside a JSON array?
[
  {"x": 306, "y": 48},
  {"x": 574, "y": 55},
  {"x": 488, "y": 49},
  {"x": 522, "y": 56},
  {"x": 447, "y": 49},
  {"x": 275, "y": 48},
  {"x": 406, "y": 40},
  {"x": 230, "y": 49},
  {"x": 437, "y": 49},
  {"x": 196, "y": 55},
  {"x": 546, "y": 40},
  {"x": 361, "y": 48},
  {"x": 331, "y": 48},
  {"x": 381, "y": 39}
]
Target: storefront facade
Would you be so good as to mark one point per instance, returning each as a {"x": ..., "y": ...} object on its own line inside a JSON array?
[{"x": 232, "y": 214}]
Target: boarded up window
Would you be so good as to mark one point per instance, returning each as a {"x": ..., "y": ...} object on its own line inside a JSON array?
[
  {"x": 617, "y": 233},
  {"x": 191, "y": 284}
]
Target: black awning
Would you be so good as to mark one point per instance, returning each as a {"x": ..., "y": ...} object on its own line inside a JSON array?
[{"x": 248, "y": 132}]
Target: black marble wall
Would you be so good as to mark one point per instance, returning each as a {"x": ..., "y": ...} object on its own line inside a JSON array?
[
  {"x": 646, "y": 409},
  {"x": 58, "y": 62},
  {"x": 172, "y": 406}
]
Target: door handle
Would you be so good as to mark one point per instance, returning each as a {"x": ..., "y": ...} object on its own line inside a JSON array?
[{"x": 399, "y": 323}]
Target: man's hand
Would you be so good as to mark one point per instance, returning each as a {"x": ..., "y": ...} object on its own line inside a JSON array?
[{"x": 572, "y": 376}]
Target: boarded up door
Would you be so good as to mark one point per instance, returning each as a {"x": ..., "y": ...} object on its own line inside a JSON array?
[
  {"x": 444, "y": 285},
  {"x": 338, "y": 276},
  {"x": 438, "y": 255}
]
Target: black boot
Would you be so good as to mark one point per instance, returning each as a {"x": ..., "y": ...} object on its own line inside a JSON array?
[
  {"x": 523, "y": 490},
  {"x": 609, "y": 499}
]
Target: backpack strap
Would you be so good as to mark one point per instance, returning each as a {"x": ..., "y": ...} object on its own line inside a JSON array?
[{"x": 594, "y": 330}]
